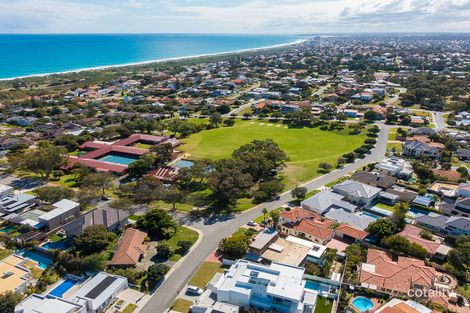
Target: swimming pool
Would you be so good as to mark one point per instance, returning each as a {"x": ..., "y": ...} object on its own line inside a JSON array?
[
  {"x": 119, "y": 158},
  {"x": 184, "y": 163},
  {"x": 316, "y": 286},
  {"x": 63, "y": 287},
  {"x": 363, "y": 304},
  {"x": 62, "y": 245},
  {"x": 7, "y": 230},
  {"x": 369, "y": 215},
  {"x": 43, "y": 260},
  {"x": 413, "y": 212}
]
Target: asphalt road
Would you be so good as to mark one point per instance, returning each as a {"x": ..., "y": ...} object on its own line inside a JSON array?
[
  {"x": 439, "y": 120},
  {"x": 216, "y": 228}
]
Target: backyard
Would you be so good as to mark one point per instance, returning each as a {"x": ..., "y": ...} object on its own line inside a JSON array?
[{"x": 306, "y": 147}]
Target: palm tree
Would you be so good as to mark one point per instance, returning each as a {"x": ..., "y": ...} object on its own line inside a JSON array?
[{"x": 265, "y": 211}]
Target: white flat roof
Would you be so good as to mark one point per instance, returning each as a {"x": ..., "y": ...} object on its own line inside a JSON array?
[
  {"x": 39, "y": 304},
  {"x": 61, "y": 207}
]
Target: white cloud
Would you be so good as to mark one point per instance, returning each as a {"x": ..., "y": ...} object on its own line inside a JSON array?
[{"x": 253, "y": 16}]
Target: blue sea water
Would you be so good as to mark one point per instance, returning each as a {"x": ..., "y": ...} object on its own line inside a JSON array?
[{"x": 23, "y": 55}]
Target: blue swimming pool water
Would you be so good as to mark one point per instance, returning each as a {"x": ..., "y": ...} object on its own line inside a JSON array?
[
  {"x": 123, "y": 159},
  {"x": 313, "y": 285},
  {"x": 63, "y": 244},
  {"x": 42, "y": 259},
  {"x": 63, "y": 287},
  {"x": 415, "y": 211},
  {"x": 184, "y": 163},
  {"x": 363, "y": 304},
  {"x": 7, "y": 230}
]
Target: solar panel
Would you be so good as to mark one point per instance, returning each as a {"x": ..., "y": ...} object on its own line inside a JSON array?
[{"x": 102, "y": 285}]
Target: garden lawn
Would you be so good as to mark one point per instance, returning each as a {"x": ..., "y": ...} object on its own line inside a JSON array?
[
  {"x": 306, "y": 147},
  {"x": 182, "y": 234},
  {"x": 129, "y": 308},
  {"x": 397, "y": 145},
  {"x": 181, "y": 305},
  {"x": 205, "y": 273},
  {"x": 323, "y": 305},
  {"x": 4, "y": 253}
]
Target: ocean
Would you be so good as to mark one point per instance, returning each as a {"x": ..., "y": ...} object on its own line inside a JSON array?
[{"x": 26, "y": 55}]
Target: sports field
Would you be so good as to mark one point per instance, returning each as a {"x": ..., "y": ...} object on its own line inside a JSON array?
[{"x": 306, "y": 147}]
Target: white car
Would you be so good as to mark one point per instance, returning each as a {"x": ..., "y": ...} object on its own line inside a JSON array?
[
  {"x": 251, "y": 223},
  {"x": 194, "y": 290}
]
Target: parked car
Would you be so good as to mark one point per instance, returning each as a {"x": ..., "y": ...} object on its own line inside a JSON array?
[
  {"x": 193, "y": 290},
  {"x": 252, "y": 223}
]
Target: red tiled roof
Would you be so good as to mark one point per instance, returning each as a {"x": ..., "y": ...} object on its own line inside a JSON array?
[
  {"x": 131, "y": 247},
  {"x": 317, "y": 229},
  {"x": 352, "y": 232},
  {"x": 450, "y": 174},
  {"x": 398, "y": 276},
  {"x": 139, "y": 137},
  {"x": 297, "y": 214},
  {"x": 412, "y": 234}
]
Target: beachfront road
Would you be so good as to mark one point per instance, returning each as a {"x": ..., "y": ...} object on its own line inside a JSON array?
[{"x": 216, "y": 228}]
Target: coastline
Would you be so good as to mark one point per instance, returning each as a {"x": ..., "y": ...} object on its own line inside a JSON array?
[{"x": 156, "y": 61}]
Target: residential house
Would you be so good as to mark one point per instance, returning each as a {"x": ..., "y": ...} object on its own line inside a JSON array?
[
  {"x": 396, "y": 167},
  {"x": 399, "y": 306},
  {"x": 14, "y": 276},
  {"x": 324, "y": 201},
  {"x": 444, "y": 225},
  {"x": 16, "y": 203},
  {"x": 375, "y": 179},
  {"x": 432, "y": 247},
  {"x": 42, "y": 304},
  {"x": 99, "y": 291},
  {"x": 357, "y": 220},
  {"x": 64, "y": 211},
  {"x": 417, "y": 149},
  {"x": 6, "y": 190},
  {"x": 357, "y": 193},
  {"x": 381, "y": 272},
  {"x": 276, "y": 287},
  {"x": 426, "y": 201},
  {"x": 262, "y": 241},
  {"x": 131, "y": 248},
  {"x": 313, "y": 230},
  {"x": 295, "y": 215},
  {"x": 350, "y": 234},
  {"x": 112, "y": 219},
  {"x": 447, "y": 175},
  {"x": 463, "y": 190}
]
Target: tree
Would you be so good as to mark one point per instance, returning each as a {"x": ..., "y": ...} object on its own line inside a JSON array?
[
  {"x": 265, "y": 212},
  {"x": 155, "y": 274},
  {"x": 198, "y": 200},
  {"x": 44, "y": 159},
  {"x": 370, "y": 116},
  {"x": 52, "y": 194},
  {"x": 79, "y": 172},
  {"x": 299, "y": 192},
  {"x": 173, "y": 195},
  {"x": 164, "y": 250},
  {"x": 145, "y": 190},
  {"x": 325, "y": 167},
  {"x": 158, "y": 223},
  {"x": 399, "y": 244},
  {"x": 100, "y": 181},
  {"x": 399, "y": 215},
  {"x": 235, "y": 246},
  {"x": 93, "y": 239},
  {"x": 164, "y": 153},
  {"x": 144, "y": 164},
  {"x": 228, "y": 181},
  {"x": 8, "y": 301},
  {"x": 274, "y": 217},
  {"x": 121, "y": 204},
  {"x": 215, "y": 119},
  {"x": 261, "y": 158},
  {"x": 381, "y": 228}
]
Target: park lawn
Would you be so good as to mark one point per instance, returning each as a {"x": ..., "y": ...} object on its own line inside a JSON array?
[
  {"x": 323, "y": 305},
  {"x": 181, "y": 305},
  {"x": 205, "y": 273},
  {"x": 65, "y": 181},
  {"x": 245, "y": 110},
  {"x": 182, "y": 234},
  {"x": 160, "y": 204},
  {"x": 306, "y": 147},
  {"x": 4, "y": 253}
]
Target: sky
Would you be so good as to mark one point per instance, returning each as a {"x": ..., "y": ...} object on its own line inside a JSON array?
[{"x": 233, "y": 16}]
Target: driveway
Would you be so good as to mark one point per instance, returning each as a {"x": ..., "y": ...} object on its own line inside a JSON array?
[{"x": 214, "y": 229}]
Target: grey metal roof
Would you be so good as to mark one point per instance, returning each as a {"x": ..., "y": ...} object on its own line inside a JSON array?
[
  {"x": 357, "y": 189},
  {"x": 326, "y": 200}
]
